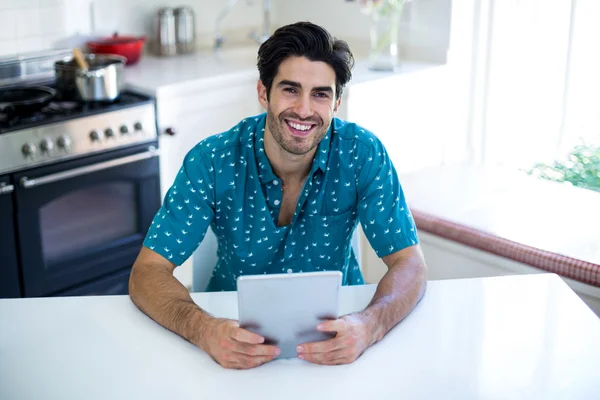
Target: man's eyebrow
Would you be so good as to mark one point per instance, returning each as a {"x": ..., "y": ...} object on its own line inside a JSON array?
[
  {"x": 289, "y": 83},
  {"x": 298, "y": 85},
  {"x": 323, "y": 89}
]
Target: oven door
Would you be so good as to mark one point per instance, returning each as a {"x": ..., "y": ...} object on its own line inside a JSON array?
[
  {"x": 9, "y": 270},
  {"x": 82, "y": 220}
]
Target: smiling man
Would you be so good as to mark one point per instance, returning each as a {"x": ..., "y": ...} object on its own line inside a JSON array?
[{"x": 283, "y": 192}]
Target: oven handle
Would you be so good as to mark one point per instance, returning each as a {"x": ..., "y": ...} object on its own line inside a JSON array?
[
  {"x": 42, "y": 180},
  {"x": 6, "y": 189}
]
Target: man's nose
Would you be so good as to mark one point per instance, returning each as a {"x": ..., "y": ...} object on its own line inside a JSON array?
[{"x": 303, "y": 107}]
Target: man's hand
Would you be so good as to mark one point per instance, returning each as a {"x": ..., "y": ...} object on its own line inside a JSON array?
[
  {"x": 234, "y": 347},
  {"x": 353, "y": 336}
]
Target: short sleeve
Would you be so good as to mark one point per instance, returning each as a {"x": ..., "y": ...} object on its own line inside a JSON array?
[
  {"x": 384, "y": 215},
  {"x": 187, "y": 211}
]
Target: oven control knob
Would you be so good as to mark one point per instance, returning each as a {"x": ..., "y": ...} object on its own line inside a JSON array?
[
  {"x": 64, "y": 142},
  {"x": 46, "y": 145},
  {"x": 28, "y": 149},
  {"x": 138, "y": 126},
  {"x": 124, "y": 129},
  {"x": 95, "y": 135},
  {"x": 109, "y": 133}
]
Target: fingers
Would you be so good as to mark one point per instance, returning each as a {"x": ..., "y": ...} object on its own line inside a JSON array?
[
  {"x": 337, "y": 325},
  {"x": 230, "y": 345},
  {"x": 255, "y": 349},
  {"x": 336, "y": 357},
  {"x": 239, "y": 355},
  {"x": 324, "y": 346},
  {"x": 245, "y": 336},
  {"x": 234, "y": 347},
  {"x": 246, "y": 350},
  {"x": 343, "y": 349}
]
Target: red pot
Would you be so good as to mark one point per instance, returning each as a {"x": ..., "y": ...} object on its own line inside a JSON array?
[{"x": 129, "y": 47}]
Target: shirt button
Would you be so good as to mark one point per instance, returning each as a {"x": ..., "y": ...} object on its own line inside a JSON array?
[
  {"x": 275, "y": 182},
  {"x": 289, "y": 271},
  {"x": 276, "y": 202}
]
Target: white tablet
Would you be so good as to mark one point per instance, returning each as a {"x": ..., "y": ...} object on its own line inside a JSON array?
[{"x": 286, "y": 308}]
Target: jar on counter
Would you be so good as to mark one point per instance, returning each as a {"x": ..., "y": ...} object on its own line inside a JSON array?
[
  {"x": 185, "y": 33},
  {"x": 166, "y": 43}
]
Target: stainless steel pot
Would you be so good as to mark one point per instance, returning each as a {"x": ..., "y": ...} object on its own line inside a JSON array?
[{"x": 103, "y": 81}]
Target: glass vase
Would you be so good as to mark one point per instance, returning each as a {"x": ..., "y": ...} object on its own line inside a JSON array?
[{"x": 383, "y": 35}]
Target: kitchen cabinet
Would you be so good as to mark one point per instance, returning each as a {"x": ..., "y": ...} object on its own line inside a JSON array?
[
  {"x": 398, "y": 108},
  {"x": 408, "y": 111},
  {"x": 185, "y": 117}
]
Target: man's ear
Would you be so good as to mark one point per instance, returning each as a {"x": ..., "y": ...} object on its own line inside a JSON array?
[
  {"x": 337, "y": 104},
  {"x": 262, "y": 94}
]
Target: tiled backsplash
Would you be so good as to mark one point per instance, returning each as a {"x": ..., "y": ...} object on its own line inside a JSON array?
[{"x": 31, "y": 25}]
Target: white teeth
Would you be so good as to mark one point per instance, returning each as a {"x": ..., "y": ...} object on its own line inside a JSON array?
[{"x": 299, "y": 127}]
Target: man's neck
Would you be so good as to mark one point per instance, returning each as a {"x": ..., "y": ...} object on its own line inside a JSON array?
[{"x": 290, "y": 168}]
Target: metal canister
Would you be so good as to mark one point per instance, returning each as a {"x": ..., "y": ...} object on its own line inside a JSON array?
[
  {"x": 185, "y": 32},
  {"x": 166, "y": 43}
]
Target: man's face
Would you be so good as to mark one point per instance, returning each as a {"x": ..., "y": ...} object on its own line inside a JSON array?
[{"x": 301, "y": 104}]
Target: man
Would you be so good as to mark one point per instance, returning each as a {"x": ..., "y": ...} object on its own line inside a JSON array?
[{"x": 283, "y": 192}]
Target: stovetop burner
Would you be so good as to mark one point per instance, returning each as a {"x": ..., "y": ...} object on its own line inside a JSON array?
[{"x": 59, "y": 110}]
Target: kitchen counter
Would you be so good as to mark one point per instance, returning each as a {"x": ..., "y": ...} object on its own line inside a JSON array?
[
  {"x": 208, "y": 69},
  {"x": 202, "y": 70},
  {"x": 519, "y": 337}
]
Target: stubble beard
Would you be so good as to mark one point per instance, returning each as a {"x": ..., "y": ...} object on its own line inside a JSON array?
[{"x": 291, "y": 144}]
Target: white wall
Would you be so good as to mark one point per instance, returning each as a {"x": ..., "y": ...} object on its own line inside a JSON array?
[
  {"x": 424, "y": 32},
  {"x": 32, "y": 25},
  {"x": 137, "y": 16}
]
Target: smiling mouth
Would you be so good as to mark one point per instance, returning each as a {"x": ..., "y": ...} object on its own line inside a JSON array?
[{"x": 300, "y": 129}]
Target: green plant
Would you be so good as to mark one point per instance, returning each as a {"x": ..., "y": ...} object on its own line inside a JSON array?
[{"x": 581, "y": 168}]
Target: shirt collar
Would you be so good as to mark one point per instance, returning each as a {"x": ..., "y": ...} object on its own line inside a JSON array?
[{"x": 264, "y": 166}]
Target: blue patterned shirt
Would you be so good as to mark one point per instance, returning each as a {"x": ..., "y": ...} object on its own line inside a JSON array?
[{"x": 226, "y": 182}]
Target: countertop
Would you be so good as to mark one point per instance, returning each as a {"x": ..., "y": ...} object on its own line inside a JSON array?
[
  {"x": 208, "y": 68},
  {"x": 512, "y": 205},
  {"x": 519, "y": 337}
]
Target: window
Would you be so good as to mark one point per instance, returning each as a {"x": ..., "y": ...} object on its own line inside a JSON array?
[{"x": 536, "y": 91}]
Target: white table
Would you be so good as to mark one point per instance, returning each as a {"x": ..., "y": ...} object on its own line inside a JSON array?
[{"x": 521, "y": 337}]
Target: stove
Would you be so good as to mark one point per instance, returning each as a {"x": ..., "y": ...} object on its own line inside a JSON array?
[
  {"x": 79, "y": 186},
  {"x": 66, "y": 129},
  {"x": 63, "y": 110}
]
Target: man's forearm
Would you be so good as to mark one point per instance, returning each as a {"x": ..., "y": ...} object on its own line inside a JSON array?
[
  {"x": 398, "y": 292},
  {"x": 160, "y": 295}
]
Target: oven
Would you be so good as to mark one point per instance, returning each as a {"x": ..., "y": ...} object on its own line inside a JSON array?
[
  {"x": 81, "y": 223},
  {"x": 9, "y": 271},
  {"x": 79, "y": 186},
  {"x": 79, "y": 183}
]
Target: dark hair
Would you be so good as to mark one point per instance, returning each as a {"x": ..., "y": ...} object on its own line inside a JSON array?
[{"x": 308, "y": 40}]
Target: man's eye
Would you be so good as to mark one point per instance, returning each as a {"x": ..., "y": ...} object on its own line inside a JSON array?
[
  {"x": 322, "y": 95},
  {"x": 290, "y": 90}
]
